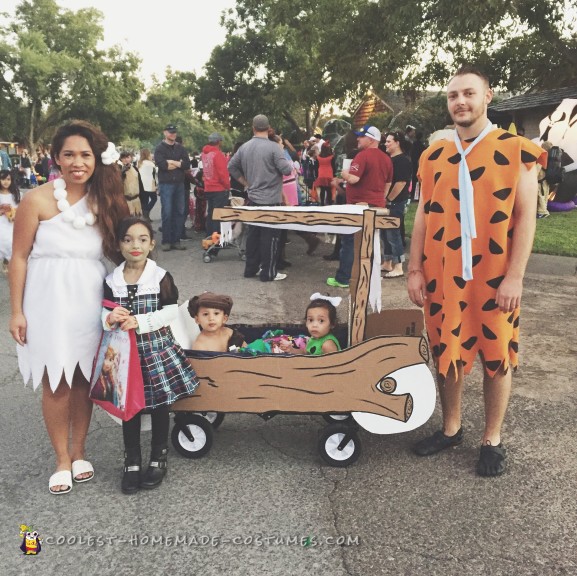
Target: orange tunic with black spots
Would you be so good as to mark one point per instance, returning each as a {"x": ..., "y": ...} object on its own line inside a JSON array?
[{"x": 462, "y": 318}]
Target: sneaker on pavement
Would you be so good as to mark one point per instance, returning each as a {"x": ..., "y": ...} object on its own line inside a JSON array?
[
  {"x": 335, "y": 283},
  {"x": 166, "y": 247},
  {"x": 178, "y": 246},
  {"x": 279, "y": 276}
]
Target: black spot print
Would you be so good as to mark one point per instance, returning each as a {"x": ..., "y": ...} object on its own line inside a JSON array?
[
  {"x": 468, "y": 344},
  {"x": 503, "y": 194},
  {"x": 510, "y": 232},
  {"x": 477, "y": 259},
  {"x": 437, "y": 208},
  {"x": 458, "y": 215},
  {"x": 432, "y": 286},
  {"x": 493, "y": 365},
  {"x": 423, "y": 258},
  {"x": 442, "y": 348},
  {"x": 495, "y": 282},
  {"x": 463, "y": 363},
  {"x": 506, "y": 136},
  {"x": 488, "y": 333},
  {"x": 460, "y": 282},
  {"x": 494, "y": 248},
  {"x": 457, "y": 330},
  {"x": 516, "y": 322},
  {"x": 477, "y": 173},
  {"x": 434, "y": 155},
  {"x": 313, "y": 349},
  {"x": 455, "y": 243},
  {"x": 437, "y": 176},
  {"x": 511, "y": 318},
  {"x": 435, "y": 350},
  {"x": 498, "y": 217},
  {"x": 455, "y": 193},
  {"x": 491, "y": 304},
  {"x": 435, "y": 308},
  {"x": 500, "y": 159},
  {"x": 439, "y": 331},
  {"x": 527, "y": 157},
  {"x": 439, "y": 234},
  {"x": 455, "y": 159},
  {"x": 462, "y": 305},
  {"x": 514, "y": 346},
  {"x": 427, "y": 207}
]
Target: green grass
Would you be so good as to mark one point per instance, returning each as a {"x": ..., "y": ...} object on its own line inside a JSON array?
[{"x": 556, "y": 235}]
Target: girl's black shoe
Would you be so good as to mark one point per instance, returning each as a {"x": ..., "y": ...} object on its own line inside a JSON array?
[
  {"x": 156, "y": 470},
  {"x": 131, "y": 477}
]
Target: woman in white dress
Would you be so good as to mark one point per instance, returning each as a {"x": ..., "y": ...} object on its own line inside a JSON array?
[{"x": 62, "y": 232}]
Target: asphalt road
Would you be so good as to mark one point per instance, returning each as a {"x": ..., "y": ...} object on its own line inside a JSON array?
[{"x": 262, "y": 502}]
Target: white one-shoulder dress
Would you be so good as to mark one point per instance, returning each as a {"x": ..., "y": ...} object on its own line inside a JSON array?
[{"x": 62, "y": 300}]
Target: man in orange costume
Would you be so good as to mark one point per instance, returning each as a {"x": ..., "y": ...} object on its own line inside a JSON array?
[{"x": 471, "y": 241}]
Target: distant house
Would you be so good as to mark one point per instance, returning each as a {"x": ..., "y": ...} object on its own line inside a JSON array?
[
  {"x": 527, "y": 110},
  {"x": 392, "y": 101}
]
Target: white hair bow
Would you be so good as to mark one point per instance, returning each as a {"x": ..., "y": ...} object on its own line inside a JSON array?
[
  {"x": 334, "y": 300},
  {"x": 110, "y": 155}
]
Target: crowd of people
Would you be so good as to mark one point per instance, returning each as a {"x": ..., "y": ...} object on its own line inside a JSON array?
[{"x": 465, "y": 266}]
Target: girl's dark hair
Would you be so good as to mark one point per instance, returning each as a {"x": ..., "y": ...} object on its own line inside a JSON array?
[
  {"x": 13, "y": 188},
  {"x": 326, "y": 150},
  {"x": 328, "y": 306},
  {"x": 126, "y": 223},
  {"x": 105, "y": 188}
]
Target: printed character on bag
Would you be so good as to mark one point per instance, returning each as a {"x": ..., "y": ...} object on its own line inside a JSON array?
[{"x": 116, "y": 383}]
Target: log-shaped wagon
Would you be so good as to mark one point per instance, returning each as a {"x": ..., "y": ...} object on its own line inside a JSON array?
[{"x": 380, "y": 380}]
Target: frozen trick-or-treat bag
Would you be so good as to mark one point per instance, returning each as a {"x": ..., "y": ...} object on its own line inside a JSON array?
[{"x": 116, "y": 383}]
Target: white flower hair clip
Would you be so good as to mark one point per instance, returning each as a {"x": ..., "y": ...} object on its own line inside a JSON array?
[
  {"x": 334, "y": 300},
  {"x": 110, "y": 155}
]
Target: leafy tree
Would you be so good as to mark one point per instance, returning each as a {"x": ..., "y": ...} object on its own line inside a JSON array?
[{"x": 58, "y": 72}]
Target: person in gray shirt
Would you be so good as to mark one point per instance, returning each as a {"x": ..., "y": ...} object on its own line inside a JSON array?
[{"x": 259, "y": 165}]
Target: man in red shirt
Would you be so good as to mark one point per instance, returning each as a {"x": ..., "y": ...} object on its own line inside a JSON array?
[
  {"x": 216, "y": 179},
  {"x": 367, "y": 182}
]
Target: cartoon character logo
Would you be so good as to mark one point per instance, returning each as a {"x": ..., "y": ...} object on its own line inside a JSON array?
[{"x": 31, "y": 542}]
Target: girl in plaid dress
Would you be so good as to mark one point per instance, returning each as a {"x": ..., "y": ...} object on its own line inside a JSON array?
[{"x": 147, "y": 302}]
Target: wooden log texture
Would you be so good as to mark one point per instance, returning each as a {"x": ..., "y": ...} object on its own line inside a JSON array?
[
  {"x": 361, "y": 284},
  {"x": 352, "y": 380},
  {"x": 309, "y": 218}
]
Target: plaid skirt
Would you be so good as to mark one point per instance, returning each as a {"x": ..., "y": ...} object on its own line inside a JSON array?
[{"x": 166, "y": 372}]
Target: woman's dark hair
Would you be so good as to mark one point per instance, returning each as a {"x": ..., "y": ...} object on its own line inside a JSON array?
[
  {"x": 399, "y": 136},
  {"x": 105, "y": 188},
  {"x": 13, "y": 188},
  {"x": 328, "y": 306},
  {"x": 126, "y": 223}
]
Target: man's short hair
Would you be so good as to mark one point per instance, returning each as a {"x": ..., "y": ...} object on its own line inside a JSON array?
[
  {"x": 125, "y": 154},
  {"x": 472, "y": 69},
  {"x": 260, "y": 123}
]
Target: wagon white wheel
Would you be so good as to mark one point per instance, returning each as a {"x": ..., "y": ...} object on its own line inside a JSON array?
[
  {"x": 332, "y": 418},
  {"x": 339, "y": 445},
  {"x": 191, "y": 435},
  {"x": 215, "y": 418}
]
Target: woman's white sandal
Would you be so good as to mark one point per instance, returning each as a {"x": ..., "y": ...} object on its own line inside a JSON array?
[
  {"x": 60, "y": 478},
  {"x": 82, "y": 467}
]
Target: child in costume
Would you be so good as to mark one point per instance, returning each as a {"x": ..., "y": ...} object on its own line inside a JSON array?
[
  {"x": 147, "y": 299},
  {"x": 9, "y": 199},
  {"x": 320, "y": 318},
  {"x": 211, "y": 312}
]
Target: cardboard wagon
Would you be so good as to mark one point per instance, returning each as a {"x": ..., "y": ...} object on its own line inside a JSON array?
[{"x": 379, "y": 381}]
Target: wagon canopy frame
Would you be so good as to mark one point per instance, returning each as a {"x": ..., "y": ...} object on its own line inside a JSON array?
[{"x": 361, "y": 220}]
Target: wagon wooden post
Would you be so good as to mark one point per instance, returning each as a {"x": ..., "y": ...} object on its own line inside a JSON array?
[{"x": 361, "y": 277}]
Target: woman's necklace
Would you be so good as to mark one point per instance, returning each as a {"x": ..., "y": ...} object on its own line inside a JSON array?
[{"x": 68, "y": 215}]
